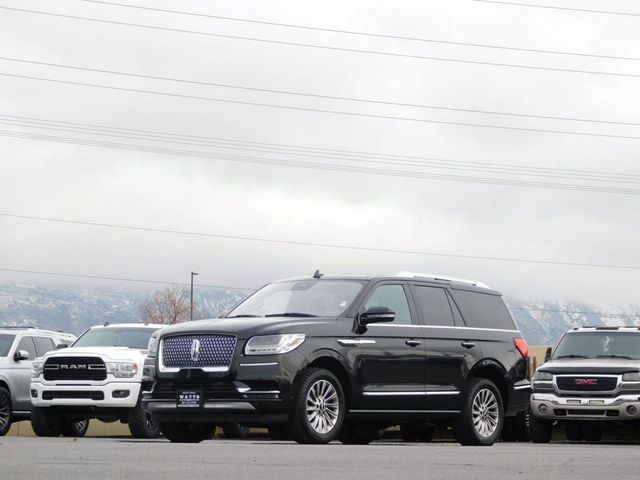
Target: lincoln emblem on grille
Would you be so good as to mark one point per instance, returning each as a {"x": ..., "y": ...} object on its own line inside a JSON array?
[{"x": 195, "y": 350}]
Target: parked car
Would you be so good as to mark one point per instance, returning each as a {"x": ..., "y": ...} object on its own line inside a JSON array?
[
  {"x": 341, "y": 357},
  {"x": 591, "y": 383},
  {"x": 19, "y": 347},
  {"x": 99, "y": 376}
]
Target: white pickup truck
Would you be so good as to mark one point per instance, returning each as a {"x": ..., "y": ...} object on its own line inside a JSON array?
[{"x": 99, "y": 376}]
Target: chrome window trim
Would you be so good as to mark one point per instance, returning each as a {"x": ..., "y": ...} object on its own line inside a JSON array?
[{"x": 445, "y": 326}]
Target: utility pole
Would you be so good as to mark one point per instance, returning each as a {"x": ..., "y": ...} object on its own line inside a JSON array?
[{"x": 193, "y": 274}]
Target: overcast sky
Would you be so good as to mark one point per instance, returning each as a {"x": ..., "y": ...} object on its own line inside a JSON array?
[{"x": 209, "y": 195}]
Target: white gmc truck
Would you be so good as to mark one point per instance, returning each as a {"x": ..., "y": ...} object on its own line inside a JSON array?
[{"x": 99, "y": 376}]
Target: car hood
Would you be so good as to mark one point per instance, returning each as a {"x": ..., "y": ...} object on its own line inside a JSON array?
[
  {"x": 110, "y": 353},
  {"x": 591, "y": 365},
  {"x": 247, "y": 327}
]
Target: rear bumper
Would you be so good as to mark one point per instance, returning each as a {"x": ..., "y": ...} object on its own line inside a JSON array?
[{"x": 552, "y": 407}]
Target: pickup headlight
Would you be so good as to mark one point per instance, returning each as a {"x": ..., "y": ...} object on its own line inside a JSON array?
[
  {"x": 152, "y": 347},
  {"x": 543, "y": 377},
  {"x": 631, "y": 377},
  {"x": 273, "y": 344},
  {"x": 122, "y": 369},
  {"x": 36, "y": 368}
]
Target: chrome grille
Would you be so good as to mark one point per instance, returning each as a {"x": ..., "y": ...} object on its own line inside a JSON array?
[{"x": 209, "y": 352}]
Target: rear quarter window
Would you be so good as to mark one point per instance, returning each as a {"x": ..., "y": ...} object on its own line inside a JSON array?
[{"x": 482, "y": 310}]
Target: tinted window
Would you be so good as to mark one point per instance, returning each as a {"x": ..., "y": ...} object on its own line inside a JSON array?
[
  {"x": 44, "y": 345},
  {"x": 5, "y": 344},
  {"x": 26, "y": 343},
  {"x": 599, "y": 344},
  {"x": 482, "y": 310},
  {"x": 115, "y": 337},
  {"x": 391, "y": 296},
  {"x": 433, "y": 304}
]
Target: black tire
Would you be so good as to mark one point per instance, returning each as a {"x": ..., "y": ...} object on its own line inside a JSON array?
[
  {"x": 411, "y": 432},
  {"x": 591, "y": 434},
  {"x": 310, "y": 384},
  {"x": 6, "y": 411},
  {"x": 74, "y": 428},
  {"x": 574, "y": 432},
  {"x": 358, "y": 433},
  {"x": 140, "y": 423},
  {"x": 45, "y": 423},
  {"x": 278, "y": 432},
  {"x": 235, "y": 430},
  {"x": 191, "y": 432},
  {"x": 481, "y": 393},
  {"x": 509, "y": 430},
  {"x": 521, "y": 426},
  {"x": 540, "y": 429}
]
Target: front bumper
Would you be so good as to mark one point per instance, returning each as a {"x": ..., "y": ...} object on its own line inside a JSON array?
[
  {"x": 553, "y": 407},
  {"x": 43, "y": 395}
]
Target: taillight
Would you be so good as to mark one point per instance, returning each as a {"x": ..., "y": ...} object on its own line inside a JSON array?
[{"x": 522, "y": 346}]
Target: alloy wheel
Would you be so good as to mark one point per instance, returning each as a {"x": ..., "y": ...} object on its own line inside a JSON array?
[
  {"x": 322, "y": 406},
  {"x": 485, "y": 413}
]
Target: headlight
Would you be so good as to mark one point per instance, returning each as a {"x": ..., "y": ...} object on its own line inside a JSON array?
[
  {"x": 542, "y": 377},
  {"x": 152, "y": 348},
  {"x": 631, "y": 377},
  {"x": 271, "y": 344},
  {"x": 36, "y": 368},
  {"x": 122, "y": 369}
]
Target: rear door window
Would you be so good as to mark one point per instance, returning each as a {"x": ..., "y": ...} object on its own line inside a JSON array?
[
  {"x": 433, "y": 305},
  {"x": 482, "y": 310}
]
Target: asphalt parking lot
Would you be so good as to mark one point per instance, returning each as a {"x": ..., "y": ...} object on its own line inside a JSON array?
[{"x": 102, "y": 458}]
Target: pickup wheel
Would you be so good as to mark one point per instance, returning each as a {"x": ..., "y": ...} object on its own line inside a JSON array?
[
  {"x": 75, "y": 428},
  {"x": 540, "y": 429},
  {"x": 574, "y": 432},
  {"x": 45, "y": 423},
  {"x": 318, "y": 407},
  {"x": 140, "y": 423},
  {"x": 234, "y": 430},
  {"x": 482, "y": 416},
  {"x": 358, "y": 433},
  {"x": 191, "y": 432},
  {"x": 5, "y": 411}
]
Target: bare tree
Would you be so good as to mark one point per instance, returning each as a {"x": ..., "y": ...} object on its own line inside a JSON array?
[{"x": 166, "y": 306}]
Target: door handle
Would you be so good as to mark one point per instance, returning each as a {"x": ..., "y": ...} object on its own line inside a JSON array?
[
  {"x": 468, "y": 344},
  {"x": 413, "y": 343}
]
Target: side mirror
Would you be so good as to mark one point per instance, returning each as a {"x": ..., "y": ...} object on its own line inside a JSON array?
[
  {"x": 547, "y": 355},
  {"x": 60, "y": 346},
  {"x": 377, "y": 315},
  {"x": 21, "y": 355}
]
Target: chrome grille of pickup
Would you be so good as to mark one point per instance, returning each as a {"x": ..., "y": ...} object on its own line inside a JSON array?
[
  {"x": 75, "y": 368},
  {"x": 582, "y": 383},
  {"x": 204, "y": 351}
]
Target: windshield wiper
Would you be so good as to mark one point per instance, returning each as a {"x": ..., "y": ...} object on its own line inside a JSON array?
[
  {"x": 290, "y": 314},
  {"x": 572, "y": 356},
  {"x": 613, "y": 355},
  {"x": 243, "y": 316}
]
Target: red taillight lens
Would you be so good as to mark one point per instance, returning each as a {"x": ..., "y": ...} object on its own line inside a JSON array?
[{"x": 522, "y": 346}]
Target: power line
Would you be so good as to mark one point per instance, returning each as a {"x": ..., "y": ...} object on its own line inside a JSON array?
[
  {"x": 321, "y": 166},
  {"x": 312, "y": 244},
  {"x": 316, "y": 152},
  {"x": 314, "y": 95},
  {"x": 320, "y": 110},
  {"x": 118, "y": 279},
  {"x": 327, "y": 47},
  {"x": 394, "y": 161},
  {"x": 360, "y": 33},
  {"x": 552, "y": 7},
  {"x": 603, "y": 314}
]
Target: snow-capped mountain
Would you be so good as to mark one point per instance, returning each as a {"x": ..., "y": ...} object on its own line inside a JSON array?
[{"x": 74, "y": 309}]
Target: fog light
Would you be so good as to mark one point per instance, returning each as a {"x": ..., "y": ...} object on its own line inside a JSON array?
[
  {"x": 542, "y": 408},
  {"x": 631, "y": 410},
  {"x": 120, "y": 393},
  {"x": 34, "y": 394}
]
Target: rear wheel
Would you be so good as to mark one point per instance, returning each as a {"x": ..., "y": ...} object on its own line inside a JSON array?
[
  {"x": 574, "y": 433},
  {"x": 140, "y": 423},
  {"x": 235, "y": 430},
  {"x": 5, "y": 411},
  {"x": 192, "y": 432},
  {"x": 358, "y": 433},
  {"x": 45, "y": 423},
  {"x": 75, "y": 428},
  {"x": 318, "y": 407},
  {"x": 482, "y": 416},
  {"x": 540, "y": 429}
]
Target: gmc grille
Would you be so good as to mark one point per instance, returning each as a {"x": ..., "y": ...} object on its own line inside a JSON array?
[
  {"x": 582, "y": 383},
  {"x": 75, "y": 368},
  {"x": 198, "y": 351}
]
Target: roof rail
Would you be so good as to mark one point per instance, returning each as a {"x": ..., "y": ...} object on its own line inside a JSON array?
[
  {"x": 433, "y": 276},
  {"x": 17, "y": 327}
]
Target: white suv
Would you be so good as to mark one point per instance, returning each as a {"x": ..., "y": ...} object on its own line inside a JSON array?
[
  {"x": 99, "y": 376},
  {"x": 19, "y": 347}
]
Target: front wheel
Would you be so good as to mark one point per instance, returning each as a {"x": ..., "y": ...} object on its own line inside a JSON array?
[
  {"x": 140, "y": 423},
  {"x": 191, "y": 432},
  {"x": 45, "y": 423},
  {"x": 75, "y": 428},
  {"x": 482, "y": 416},
  {"x": 318, "y": 407},
  {"x": 5, "y": 411}
]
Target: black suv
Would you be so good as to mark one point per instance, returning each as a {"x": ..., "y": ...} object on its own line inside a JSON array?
[{"x": 342, "y": 357}]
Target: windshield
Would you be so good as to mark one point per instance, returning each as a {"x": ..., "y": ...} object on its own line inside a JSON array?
[
  {"x": 317, "y": 298},
  {"x": 115, "y": 337},
  {"x": 5, "y": 344},
  {"x": 599, "y": 345}
]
